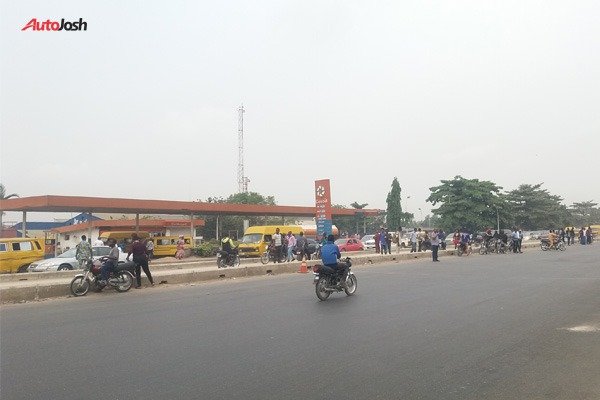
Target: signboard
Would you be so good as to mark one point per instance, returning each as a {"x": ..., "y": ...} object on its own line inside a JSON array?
[{"x": 323, "y": 207}]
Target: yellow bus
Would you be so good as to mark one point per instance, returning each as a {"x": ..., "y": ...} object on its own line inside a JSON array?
[
  {"x": 17, "y": 253},
  {"x": 166, "y": 246},
  {"x": 257, "y": 238}
]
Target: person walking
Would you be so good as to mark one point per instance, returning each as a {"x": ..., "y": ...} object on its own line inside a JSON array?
[
  {"x": 291, "y": 246},
  {"x": 413, "y": 241},
  {"x": 83, "y": 251},
  {"x": 435, "y": 245},
  {"x": 180, "y": 248},
  {"x": 140, "y": 258},
  {"x": 301, "y": 244},
  {"x": 150, "y": 249}
]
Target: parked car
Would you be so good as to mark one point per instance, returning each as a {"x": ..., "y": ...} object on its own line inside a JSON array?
[
  {"x": 368, "y": 241},
  {"x": 349, "y": 245},
  {"x": 67, "y": 260}
]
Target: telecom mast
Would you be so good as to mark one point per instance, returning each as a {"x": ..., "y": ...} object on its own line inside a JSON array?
[{"x": 242, "y": 180}]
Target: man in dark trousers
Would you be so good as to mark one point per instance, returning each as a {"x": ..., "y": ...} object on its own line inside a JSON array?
[{"x": 140, "y": 258}]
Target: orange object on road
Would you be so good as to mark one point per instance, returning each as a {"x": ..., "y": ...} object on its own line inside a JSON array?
[{"x": 303, "y": 268}]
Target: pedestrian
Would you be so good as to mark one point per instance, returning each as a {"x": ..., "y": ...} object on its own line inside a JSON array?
[
  {"x": 514, "y": 236},
  {"x": 150, "y": 249},
  {"x": 456, "y": 239},
  {"x": 83, "y": 252},
  {"x": 140, "y": 258},
  {"x": 520, "y": 242},
  {"x": 291, "y": 246},
  {"x": 388, "y": 241},
  {"x": 377, "y": 239},
  {"x": 180, "y": 248},
  {"x": 397, "y": 237},
  {"x": 572, "y": 235},
  {"x": 98, "y": 242},
  {"x": 413, "y": 241},
  {"x": 301, "y": 244},
  {"x": 588, "y": 235},
  {"x": 442, "y": 236},
  {"x": 561, "y": 235},
  {"x": 383, "y": 241},
  {"x": 435, "y": 244},
  {"x": 278, "y": 244},
  {"x": 420, "y": 238},
  {"x": 582, "y": 238}
]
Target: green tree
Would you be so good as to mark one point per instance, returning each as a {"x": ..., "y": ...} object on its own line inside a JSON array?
[
  {"x": 4, "y": 196},
  {"x": 235, "y": 223},
  {"x": 467, "y": 203},
  {"x": 585, "y": 213},
  {"x": 394, "y": 214},
  {"x": 532, "y": 207}
]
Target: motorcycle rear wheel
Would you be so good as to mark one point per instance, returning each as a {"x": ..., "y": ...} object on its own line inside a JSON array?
[
  {"x": 351, "y": 285},
  {"x": 321, "y": 290},
  {"x": 561, "y": 246},
  {"x": 125, "y": 282},
  {"x": 221, "y": 263},
  {"x": 459, "y": 251},
  {"x": 544, "y": 246},
  {"x": 79, "y": 286},
  {"x": 236, "y": 261},
  {"x": 264, "y": 257}
]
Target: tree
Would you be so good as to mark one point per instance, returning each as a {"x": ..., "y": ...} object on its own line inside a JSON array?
[
  {"x": 394, "y": 207},
  {"x": 532, "y": 207},
  {"x": 585, "y": 213},
  {"x": 235, "y": 223},
  {"x": 4, "y": 196},
  {"x": 467, "y": 203}
]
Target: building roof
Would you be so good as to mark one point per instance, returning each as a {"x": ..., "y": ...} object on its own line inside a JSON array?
[
  {"x": 138, "y": 206},
  {"x": 38, "y": 226}
]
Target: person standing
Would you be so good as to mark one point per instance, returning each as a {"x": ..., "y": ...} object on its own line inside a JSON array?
[
  {"x": 277, "y": 243},
  {"x": 291, "y": 246},
  {"x": 582, "y": 238},
  {"x": 377, "y": 240},
  {"x": 588, "y": 235},
  {"x": 456, "y": 239},
  {"x": 383, "y": 242},
  {"x": 83, "y": 251},
  {"x": 150, "y": 248},
  {"x": 180, "y": 248},
  {"x": 413, "y": 241},
  {"x": 388, "y": 241},
  {"x": 420, "y": 239},
  {"x": 98, "y": 242},
  {"x": 514, "y": 235},
  {"x": 301, "y": 244},
  {"x": 397, "y": 239},
  {"x": 435, "y": 245},
  {"x": 520, "y": 242},
  {"x": 572, "y": 234},
  {"x": 140, "y": 258}
]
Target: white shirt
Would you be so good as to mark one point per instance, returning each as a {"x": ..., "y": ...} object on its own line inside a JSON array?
[
  {"x": 98, "y": 242},
  {"x": 277, "y": 239}
]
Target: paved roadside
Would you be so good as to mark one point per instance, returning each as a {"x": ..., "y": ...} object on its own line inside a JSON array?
[{"x": 17, "y": 288}]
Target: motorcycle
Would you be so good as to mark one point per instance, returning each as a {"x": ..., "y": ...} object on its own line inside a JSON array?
[
  {"x": 464, "y": 248},
  {"x": 545, "y": 245},
  {"x": 270, "y": 255},
  {"x": 121, "y": 278},
  {"x": 225, "y": 259},
  {"x": 327, "y": 283}
]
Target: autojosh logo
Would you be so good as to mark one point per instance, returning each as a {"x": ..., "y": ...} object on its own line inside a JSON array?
[{"x": 49, "y": 25}]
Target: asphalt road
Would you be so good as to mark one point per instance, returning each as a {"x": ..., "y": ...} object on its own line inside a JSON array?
[{"x": 521, "y": 326}]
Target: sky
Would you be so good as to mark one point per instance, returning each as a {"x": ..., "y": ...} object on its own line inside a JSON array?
[{"x": 144, "y": 103}]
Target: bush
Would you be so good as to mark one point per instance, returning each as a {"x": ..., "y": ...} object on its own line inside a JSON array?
[{"x": 207, "y": 249}]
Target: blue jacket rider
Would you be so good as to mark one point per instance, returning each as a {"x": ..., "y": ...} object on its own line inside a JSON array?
[{"x": 330, "y": 253}]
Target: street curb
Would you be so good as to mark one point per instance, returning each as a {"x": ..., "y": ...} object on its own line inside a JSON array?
[{"x": 40, "y": 288}]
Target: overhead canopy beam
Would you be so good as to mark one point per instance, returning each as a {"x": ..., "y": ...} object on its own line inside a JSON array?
[{"x": 135, "y": 206}]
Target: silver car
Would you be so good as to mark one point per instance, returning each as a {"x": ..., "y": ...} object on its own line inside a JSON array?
[
  {"x": 67, "y": 260},
  {"x": 368, "y": 241}
]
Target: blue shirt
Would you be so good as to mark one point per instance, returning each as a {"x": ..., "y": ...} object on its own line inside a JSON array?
[{"x": 330, "y": 253}]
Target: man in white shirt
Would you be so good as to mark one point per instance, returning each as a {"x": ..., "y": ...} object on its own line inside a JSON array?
[
  {"x": 277, "y": 242},
  {"x": 98, "y": 242},
  {"x": 413, "y": 241}
]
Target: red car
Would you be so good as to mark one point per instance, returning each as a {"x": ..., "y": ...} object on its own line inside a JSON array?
[{"x": 349, "y": 244}]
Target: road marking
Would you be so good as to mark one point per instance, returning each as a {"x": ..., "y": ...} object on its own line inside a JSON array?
[{"x": 585, "y": 328}]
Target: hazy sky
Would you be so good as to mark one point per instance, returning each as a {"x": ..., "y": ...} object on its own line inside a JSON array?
[{"x": 144, "y": 103}]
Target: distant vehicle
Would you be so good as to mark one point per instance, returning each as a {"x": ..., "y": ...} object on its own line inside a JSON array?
[
  {"x": 368, "y": 241},
  {"x": 67, "y": 261},
  {"x": 349, "y": 245},
  {"x": 256, "y": 239}
]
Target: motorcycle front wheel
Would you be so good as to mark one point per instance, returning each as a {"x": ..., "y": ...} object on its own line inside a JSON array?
[
  {"x": 351, "y": 285},
  {"x": 544, "y": 246},
  {"x": 79, "y": 286},
  {"x": 561, "y": 246},
  {"x": 321, "y": 290},
  {"x": 482, "y": 250},
  {"x": 125, "y": 282},
  {"x": 459, "y": 251},
  {"x": 221, "y": 263},
  {"x": 264, "y": 257}
]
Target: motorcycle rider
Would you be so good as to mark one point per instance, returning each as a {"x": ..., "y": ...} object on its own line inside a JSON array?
[
  {"x": 228, "y": 246},
  {"x": 110, "y": 262},
  {"x": 552, "y": 238},
  {"x": 330, "y": 254}
]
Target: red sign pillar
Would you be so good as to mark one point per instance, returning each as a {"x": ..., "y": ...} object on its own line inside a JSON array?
[{"x": 323, "y": 207}]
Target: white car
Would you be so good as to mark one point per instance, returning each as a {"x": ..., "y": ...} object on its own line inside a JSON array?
[
  {"x": 67, "y": 260},
  {"x": 368, "y": 241}
]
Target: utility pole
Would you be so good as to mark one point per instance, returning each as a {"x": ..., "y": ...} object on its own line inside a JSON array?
[{"x": 242, "y": 180}]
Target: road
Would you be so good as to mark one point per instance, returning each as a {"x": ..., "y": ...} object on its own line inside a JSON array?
[{"x": 517, "y": 326}]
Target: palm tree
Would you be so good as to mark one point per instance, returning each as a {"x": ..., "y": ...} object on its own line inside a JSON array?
[{"x": 3, "y": 196}]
